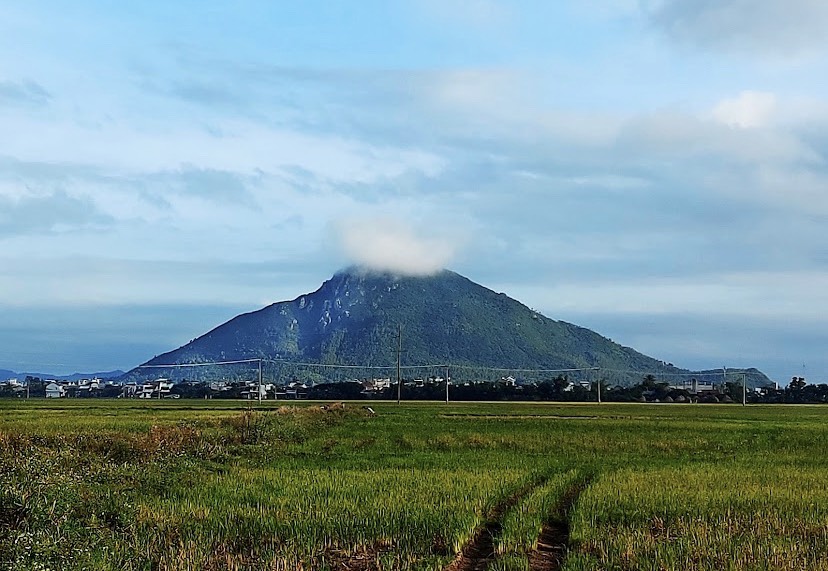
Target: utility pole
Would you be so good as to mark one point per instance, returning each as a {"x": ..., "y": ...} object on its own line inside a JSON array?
[
  {"x": 744, "y": 388},
  {"x": 399, "y": 368},
  {"x": 260, "y": 381},
  {"x": 599, "y": 383},
  {"x": 448, "y": 369}
]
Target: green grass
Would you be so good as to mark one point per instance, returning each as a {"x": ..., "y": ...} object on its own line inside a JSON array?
[
  {"x": 732, "y": 515},
  {"x": 210, "y": 485},
  {"x": 522, "y": 525}
]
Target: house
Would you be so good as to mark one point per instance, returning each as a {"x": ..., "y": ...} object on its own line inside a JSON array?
[
  {"x": 693, "y": 386},
  {"x": 14, "y": 387},
  {"x": 83, "y": 387},
  {"x": 253, "y": 391},
  {"x": 702, "y": 387},
  {"x": 89, "y": 384},
  {"x": 296, "y": 390},
  {"x": 145, "y": 391},
  {"x": 219, "y": 386},
  {"x": 159, "y": 388},
  {"x": 54, "y": 391}
]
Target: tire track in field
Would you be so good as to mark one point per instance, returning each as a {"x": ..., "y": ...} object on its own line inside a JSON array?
[
  {"x": 553, "y": 540},
  {"x": 479, "y": 551}
]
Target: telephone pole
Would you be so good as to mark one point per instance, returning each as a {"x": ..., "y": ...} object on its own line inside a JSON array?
[
  {"x": 260, "y": 381},
  {"x": 448, "y": 370},
  {"x": 399, "y": 367},
  {"x": 744, "y": 388}
]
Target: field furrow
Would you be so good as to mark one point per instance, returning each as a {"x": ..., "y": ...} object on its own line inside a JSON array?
[
  {"x": 479, "y": 551},
  {"x": 552, "y": 544}
]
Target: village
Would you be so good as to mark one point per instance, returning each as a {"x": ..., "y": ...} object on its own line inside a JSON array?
[
  {"x": 430, "y": 388},
  {"x": 164, "y": 388}
]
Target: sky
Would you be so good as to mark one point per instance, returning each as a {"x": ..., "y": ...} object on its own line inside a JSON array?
[{"x": 654, "y": 170}]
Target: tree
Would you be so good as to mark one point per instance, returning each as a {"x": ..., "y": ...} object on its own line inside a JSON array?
[
  {"x": 797, "y": 383},
  {"x": 733, "y": 390}
]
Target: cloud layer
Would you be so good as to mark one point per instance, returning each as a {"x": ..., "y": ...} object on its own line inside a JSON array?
[
  {"x": 780, "y": 29},
  {"x": 392, "y": 245}
]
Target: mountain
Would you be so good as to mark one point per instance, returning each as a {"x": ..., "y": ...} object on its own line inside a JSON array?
[
  {"x": 105, "y": 375},
  {"x": 6, "y": 374},
  {"x": 354, "y": 319}
]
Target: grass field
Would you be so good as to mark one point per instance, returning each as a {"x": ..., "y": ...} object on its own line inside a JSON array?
[{"x": 211, "y": 485}]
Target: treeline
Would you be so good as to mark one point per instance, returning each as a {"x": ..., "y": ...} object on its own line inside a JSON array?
[{"x": 558, "y": 389}]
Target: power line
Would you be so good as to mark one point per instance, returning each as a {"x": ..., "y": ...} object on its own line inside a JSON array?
[
  {"x": 335, "y": 366},
  {"x": 399, "y": 367},
  {"x": 730, "y": 371},
  {"x": 509, "y": 370}
]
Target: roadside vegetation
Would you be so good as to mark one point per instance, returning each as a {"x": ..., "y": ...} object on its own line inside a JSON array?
[{"x": 216, "y": 485}]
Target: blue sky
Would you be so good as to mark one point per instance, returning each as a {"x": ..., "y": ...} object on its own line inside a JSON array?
[{"x": 654, "y": 170}]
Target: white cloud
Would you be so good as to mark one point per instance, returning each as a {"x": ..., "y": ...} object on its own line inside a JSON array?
[
  {"x": 388, "y": 244},
  {"x": 749, "y": 109},
  {"x": 242, "y": 146},
  {"x": 778, "y": 28},
  {"x": 475, "y": 90},
  {"x": 72, "y": 281},
  {"x": 798, "y": 190},
  {"x": 26, "y": 93},
  {"x": 687, "y": 138},
  {"x": 759, "y": 294}
]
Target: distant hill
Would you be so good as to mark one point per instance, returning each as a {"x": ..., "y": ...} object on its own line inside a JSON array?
[
  {"x": 353, "y": 319},
  {"x": 6, "y": 374},
  {"x": 106, "y": 375}
]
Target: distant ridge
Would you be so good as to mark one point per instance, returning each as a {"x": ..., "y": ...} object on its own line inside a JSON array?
[
  {"x": 7, "y": 374},
  {"x": 353, "y": 319}
]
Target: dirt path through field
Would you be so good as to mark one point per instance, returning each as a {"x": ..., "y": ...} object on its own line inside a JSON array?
[
  {"x": 553, "y": 541},
  {"x": 478, "y": 552}
]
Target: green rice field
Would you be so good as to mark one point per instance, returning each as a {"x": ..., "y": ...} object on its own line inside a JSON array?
[{"x": 215, "y": 485}]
